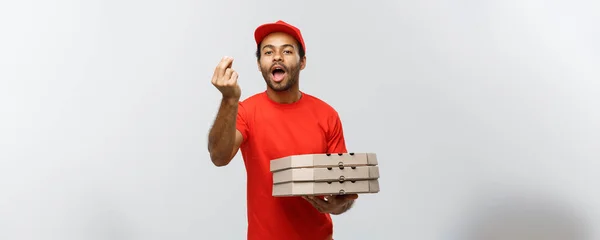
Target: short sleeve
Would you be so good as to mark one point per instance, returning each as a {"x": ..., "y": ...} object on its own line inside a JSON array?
[
  {"x": 241, "y": 123},
  {"x": 335, "y": 137}
]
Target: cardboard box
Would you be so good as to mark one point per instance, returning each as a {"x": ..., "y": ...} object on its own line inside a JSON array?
[
  {"x": 325, "y": 188},
  {"x": 325, "y": 174},
  {"x": 324, "y": 160}
]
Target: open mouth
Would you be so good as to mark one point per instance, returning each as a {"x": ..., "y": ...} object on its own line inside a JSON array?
[{"x": 278, "y": 73}]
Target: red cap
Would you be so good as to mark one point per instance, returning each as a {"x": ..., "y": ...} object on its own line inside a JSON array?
[{"x": 280, "y": 26}]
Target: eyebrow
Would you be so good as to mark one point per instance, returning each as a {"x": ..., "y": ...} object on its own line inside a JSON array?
[{"x": 284, "y": 45}]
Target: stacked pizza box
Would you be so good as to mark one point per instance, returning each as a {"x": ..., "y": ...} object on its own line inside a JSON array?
[{"x": 325, "y": 174}]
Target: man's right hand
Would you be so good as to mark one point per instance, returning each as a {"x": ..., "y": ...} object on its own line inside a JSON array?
[{"x": 225, "y": 79}]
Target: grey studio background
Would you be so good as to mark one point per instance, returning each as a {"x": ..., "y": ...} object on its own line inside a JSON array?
[{"x": 474, "y": 108}]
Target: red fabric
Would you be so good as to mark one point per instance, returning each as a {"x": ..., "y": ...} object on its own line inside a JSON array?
[{"x": 272, "y": 131}]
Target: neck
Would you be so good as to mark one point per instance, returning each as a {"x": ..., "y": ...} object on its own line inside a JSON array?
[{"x": 284, "y": 97}]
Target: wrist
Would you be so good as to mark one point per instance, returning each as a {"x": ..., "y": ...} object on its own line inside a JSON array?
[
  {"x": 342, "y": 209},
  {"x": 230, "y": 100}
]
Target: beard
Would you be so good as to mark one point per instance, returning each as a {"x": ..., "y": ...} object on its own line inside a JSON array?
[{"x": 292, "y": 74}]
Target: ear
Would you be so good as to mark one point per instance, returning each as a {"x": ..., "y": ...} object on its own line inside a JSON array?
[
  {"x": 258, "y": 65},
  {"x": 303, "y": 63}
]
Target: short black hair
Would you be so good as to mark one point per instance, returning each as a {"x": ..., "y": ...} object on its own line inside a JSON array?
[{"x": 300, "y": 50}]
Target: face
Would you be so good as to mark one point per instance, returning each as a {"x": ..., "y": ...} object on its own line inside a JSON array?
[{"x": 280, "y": 62}]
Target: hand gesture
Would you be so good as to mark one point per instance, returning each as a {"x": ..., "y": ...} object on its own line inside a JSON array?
[
  {"x": 225, "y": 79},
  {"x": 335, "y": 204}
]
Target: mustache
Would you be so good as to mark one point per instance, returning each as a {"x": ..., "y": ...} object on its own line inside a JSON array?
[{"x": 279, "y": 65}]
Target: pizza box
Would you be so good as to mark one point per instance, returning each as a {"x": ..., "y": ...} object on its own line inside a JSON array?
[
  {"x": 324, "y": 160},
  {"x": 326, "y": 174},
  {"x": 325, "y": 188}
]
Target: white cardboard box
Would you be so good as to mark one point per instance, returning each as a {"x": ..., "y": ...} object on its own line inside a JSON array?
[
  {"x": 325, "y": 174},
  {"x": 324, "y": 160},
  {"x": 325, "y": 188}
]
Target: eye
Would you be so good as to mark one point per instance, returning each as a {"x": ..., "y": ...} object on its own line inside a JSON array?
[
  {"x": 268, "y": 52},
  {"x": 288, "y": 51}
]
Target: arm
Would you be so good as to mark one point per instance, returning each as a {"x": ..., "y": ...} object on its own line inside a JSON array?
[
  {"x": 349, "y": 203},
  {"x": 336, "y": 204},
  {"x": 337, "y": 144},
  {"x": 224, "y": 140}
]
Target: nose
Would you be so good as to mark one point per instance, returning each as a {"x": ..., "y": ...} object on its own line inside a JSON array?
[{"x": 277, "y": 57}]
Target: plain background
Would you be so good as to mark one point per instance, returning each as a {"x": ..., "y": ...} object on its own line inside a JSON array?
[{"x": 106, "y": 105}]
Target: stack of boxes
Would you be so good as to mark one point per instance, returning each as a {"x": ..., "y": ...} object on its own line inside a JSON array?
[{"x": 325, "y": 174}]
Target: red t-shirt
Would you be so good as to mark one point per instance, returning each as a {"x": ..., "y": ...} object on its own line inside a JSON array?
[{"x": 272, "y": 130}]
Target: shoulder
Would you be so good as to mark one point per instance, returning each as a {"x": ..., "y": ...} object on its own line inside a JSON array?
[
  {"x": 254, "y": 99},
  {"x": 327, "y": 114},
  {"x": 251, "y": 102},
  {"x": 319, "y": 104}
]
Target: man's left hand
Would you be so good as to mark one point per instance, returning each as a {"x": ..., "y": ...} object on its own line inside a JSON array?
[{"x": 335, "y": 204}]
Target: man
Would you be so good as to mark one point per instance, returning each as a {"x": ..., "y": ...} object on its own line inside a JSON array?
[{"x": 278, "y": 122}]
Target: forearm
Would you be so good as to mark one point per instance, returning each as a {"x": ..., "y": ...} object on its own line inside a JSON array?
[
  {"x": 345, "y": 208},
  {"x": 221, "y": 137}
]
